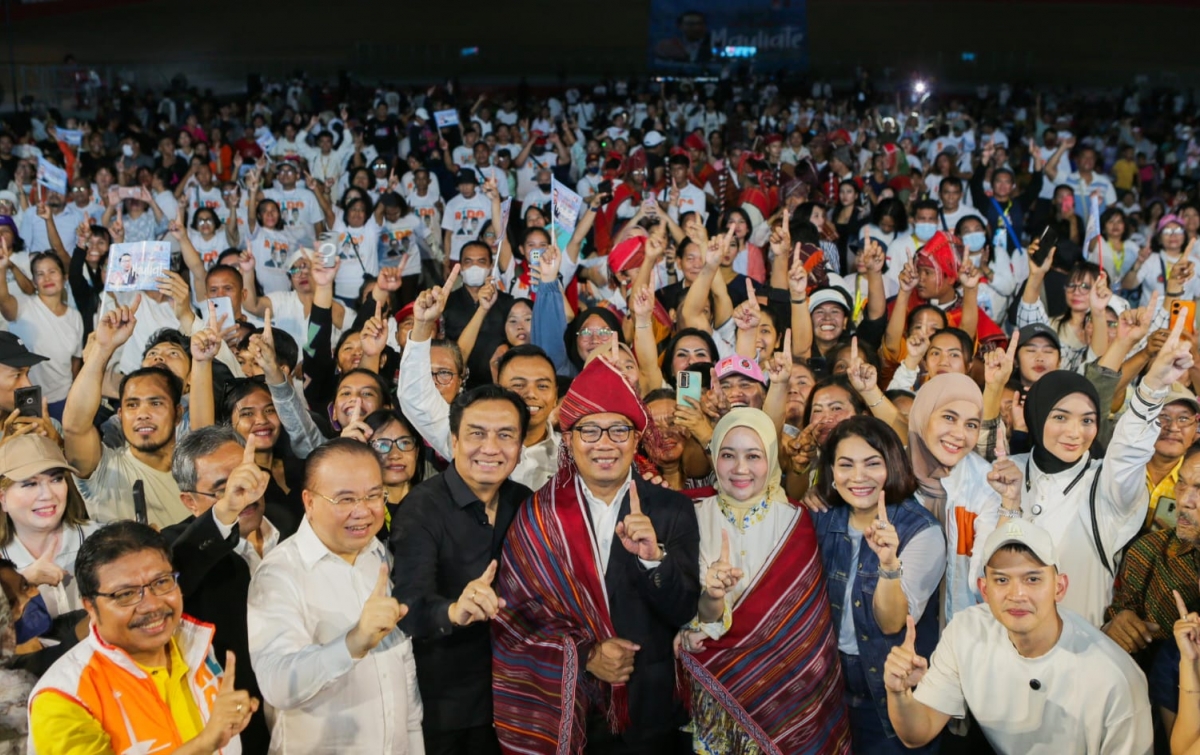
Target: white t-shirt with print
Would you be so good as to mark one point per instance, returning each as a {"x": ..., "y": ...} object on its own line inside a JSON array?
[
  {"x": 401, "y": 237},
  {"x": 464, "y": 219},
  {"x": 358, "y": 249},
  {"x": 300, "y": 210},
  {"x": 527, "y": 173},
  {"x": 211, "y": 249},
  {"x": 198, "y": 199},
  {"x": 271, "y": 249},
  {"x": 410, "y": 186},
  {"x": 691, "y": 199}
]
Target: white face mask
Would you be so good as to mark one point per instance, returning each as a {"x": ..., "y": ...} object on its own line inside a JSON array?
[{"x": 474, "y": 276}]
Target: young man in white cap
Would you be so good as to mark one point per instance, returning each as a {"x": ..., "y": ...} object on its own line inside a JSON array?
[{"x": 1038, "y": 679}]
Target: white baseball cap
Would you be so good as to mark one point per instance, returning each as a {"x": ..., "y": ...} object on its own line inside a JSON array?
[{"x": 1024, "y": 533}]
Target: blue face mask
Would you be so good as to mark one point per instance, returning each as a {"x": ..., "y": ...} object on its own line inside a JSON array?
[
  {"x": 974, "y": 240},
  {"x": 925, "y": 231},
  {"x": 34, "y": 622}
]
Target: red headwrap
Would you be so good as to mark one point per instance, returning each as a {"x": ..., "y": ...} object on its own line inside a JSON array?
[
  {"x": 628, "y": 254},
  {"x": 773, "y": 138},
  {"x": 696, "y": 142},
  {"x": 940, "y": 253},
  {"x": 599, "y": 389}
]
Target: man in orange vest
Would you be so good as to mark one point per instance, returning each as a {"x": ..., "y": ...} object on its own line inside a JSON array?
[{"x": 145, "y": 679}]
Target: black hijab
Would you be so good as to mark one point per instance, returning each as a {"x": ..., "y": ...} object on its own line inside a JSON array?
[{"x": 1040, "y": 401}]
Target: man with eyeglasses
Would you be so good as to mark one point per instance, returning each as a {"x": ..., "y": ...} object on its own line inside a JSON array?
[
  {"x": 222, "y": 543},
  {"x": 1155, "y": 565},
  {"x": 447, "y": 539},
  {"x": 146, "y": 678},
  {"x": 322, "y": 621},
  {"x": 600, "y": 570},
  {"x": 1177, "y": 432},
  {"x": 526, "y": 370}
]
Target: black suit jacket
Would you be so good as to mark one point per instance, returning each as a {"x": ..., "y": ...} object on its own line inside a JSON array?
[
  {"x": 648, "y": 607},
  {"x": 215, "y": 582}
]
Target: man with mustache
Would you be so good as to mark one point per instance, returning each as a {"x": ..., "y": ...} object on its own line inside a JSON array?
[
  {"x": 1143, "y": 609},
  {"x": 218, "y": 548},
  {"x": 599, "y": 571},
  {"x": 149, "y": 411},
  {"x": 1178, "y": 430},
  {"x": 146, "y": 678}
]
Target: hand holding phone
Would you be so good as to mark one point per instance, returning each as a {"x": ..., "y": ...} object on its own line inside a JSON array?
[
  {"x": 688, "y": 385},
  {"x": 29, "y": 401},
  {"x": 1181, "y": 308}
]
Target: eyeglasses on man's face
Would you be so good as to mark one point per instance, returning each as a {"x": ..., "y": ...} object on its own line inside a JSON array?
[
  {"x": 127, "y": 597},
  {"x": 348, "y": 502},
  {"x": 592, "y": 433}
]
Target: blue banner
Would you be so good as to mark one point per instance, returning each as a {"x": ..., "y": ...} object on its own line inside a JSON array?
[{"x": 700, "y": 37}]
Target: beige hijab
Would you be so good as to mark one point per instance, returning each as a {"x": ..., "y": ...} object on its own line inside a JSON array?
[
  {"x": 936, "y": 393},
  {"x": 760, "y": 423}
]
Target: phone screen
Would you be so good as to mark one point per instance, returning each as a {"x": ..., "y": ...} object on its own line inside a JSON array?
[{"x": 223, "y": 306}]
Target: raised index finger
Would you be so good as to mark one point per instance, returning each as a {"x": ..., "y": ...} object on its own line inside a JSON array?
[
  {"x": 635, "y": 501},
  {"x": 882, "y": 515},
  {"x": 853, "y": 349},
  {"x": 450, "y": 279},
  {"x": 230, "y": 668},
  {"x": 382, "y": 589},
  {"x": 1180, "y": 605},
  {"x": 1176, "y": 332},
  {"x": 267, "y": 335},
  {"x": 248, "y": 453},
  {"x": 724, "y": 546},
  {"x": 910, "y": 634}
]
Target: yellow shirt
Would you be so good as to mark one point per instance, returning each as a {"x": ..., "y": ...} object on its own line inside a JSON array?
[
  {"x": 1124, "y": 173},
  {"x": 1164, "y": 490},
  {"x": 58, "y": 725}
]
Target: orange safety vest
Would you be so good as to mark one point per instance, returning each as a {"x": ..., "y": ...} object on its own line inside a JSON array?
[{"x": 105, "y": 681}]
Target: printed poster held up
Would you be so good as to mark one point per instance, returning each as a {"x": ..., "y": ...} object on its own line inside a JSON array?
[
  {"x": 446, "y": 118},
  {"x": 51, "y": 176},
  {"x": 136, "y": 266},
  {"x": 566, "y": 205}
]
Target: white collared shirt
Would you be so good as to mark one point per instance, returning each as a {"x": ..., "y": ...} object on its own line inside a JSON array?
[
  {"x": 604, "y": 517},
  {"x": 244, "y": 548},
  {"x": 303, "y": 601},
  {"x": 538, "y": 462}
]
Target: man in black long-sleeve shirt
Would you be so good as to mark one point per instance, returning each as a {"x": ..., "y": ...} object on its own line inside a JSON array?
[{"x": 446, "y": 538}]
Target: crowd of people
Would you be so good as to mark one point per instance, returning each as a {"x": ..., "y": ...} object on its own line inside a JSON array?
[{"x": 689, "y": 417}]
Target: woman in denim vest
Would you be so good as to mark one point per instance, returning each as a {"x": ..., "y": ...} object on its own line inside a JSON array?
[{"x": 867, "y": 481}]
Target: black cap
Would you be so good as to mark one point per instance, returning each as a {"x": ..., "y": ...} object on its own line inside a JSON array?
[
  {"x": 1038, "y": 330},
  {"x": 14, "y": 354},
  {"x": 467, "y": 176}
]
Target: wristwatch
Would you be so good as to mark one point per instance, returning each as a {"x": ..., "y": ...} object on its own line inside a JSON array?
[{"x": 892, "y": 574}]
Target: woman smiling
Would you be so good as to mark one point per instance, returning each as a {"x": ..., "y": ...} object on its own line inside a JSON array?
[
  {"x": 759, "y": 551},
  {"x": 884, "y": 555}
]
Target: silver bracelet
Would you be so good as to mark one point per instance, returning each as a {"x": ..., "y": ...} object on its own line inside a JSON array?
[{"x": 892, "y": 574}]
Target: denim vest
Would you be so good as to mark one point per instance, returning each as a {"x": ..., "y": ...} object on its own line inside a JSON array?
[{"x": 909, "y": 518}]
